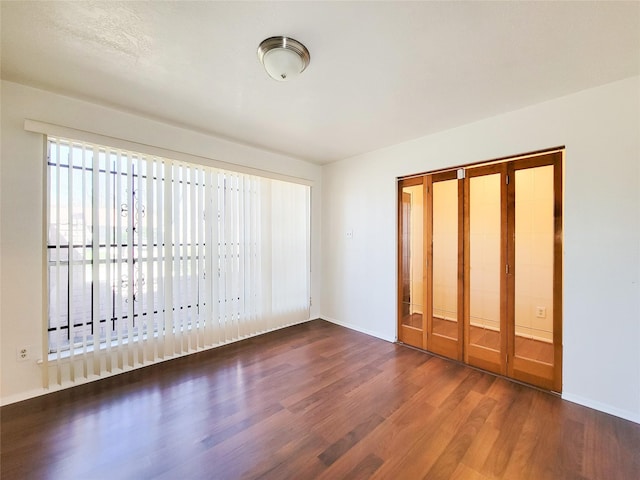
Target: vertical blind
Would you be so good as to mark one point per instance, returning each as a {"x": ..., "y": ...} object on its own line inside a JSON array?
[{"x": 150, "y": 258}]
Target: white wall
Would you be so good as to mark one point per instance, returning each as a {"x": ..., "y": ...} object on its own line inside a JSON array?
[
  {"x": 601, "y": 131},
  {"x": 21, "y": 214}
]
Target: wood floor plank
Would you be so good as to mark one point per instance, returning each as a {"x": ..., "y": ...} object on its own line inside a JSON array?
[
  {"x": 514, "y": 419},
  {"x": 383, "y": 399},
  {"x": 441, "y": 377},
  {"x": 342, "y": 446},
  {"x": 313, "y": 401},
  {"x": 418, "y": 456},
  {"x": 481, "y": 447},
  {"x": 547, "y": 460},
  {"x": 463, "y": 472},
  {"x": 457, "y": 447},
  {"x": 610, "y": 443},
  {"x": 402, "y": 428},
  {"x": 365, "y": 468},
  {"x": 521, "y": 462},
  {"x": 297, "y": 459}
]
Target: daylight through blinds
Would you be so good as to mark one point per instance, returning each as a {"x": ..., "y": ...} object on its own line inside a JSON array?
[{"x": 150, "y": 258}]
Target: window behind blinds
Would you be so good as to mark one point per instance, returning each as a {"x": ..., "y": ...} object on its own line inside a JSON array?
[{"x": 150, "y": 258}]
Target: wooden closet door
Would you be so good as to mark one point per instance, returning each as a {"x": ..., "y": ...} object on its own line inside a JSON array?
[
  {"x": 535, "y": 271},
  {"x": 411, "y": 262},
  {"x": 444, "y": 235},
  {"x": 485, "y": 281}
]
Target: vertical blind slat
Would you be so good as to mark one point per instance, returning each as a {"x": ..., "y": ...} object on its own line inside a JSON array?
[
  {"x": 95, "y": 256},
  {"x": 139, "y": 240},
  {"x": 130, "y": 275},
  {"x": 182, "y": 308},
  {"x": 119, "y": 321},
  {"x": 196, "y": 218},
  {"x": 70, "y": 276},
  {"x": 161, "y": 241},
  {"x": 109, "y": 240},
  {"x": 83, "y": 259},
  {"x": 213, "y": 256},
  {"x": 152, "y": 353},
  {"x": 168, "y": 261},
  {"x": 58, "y": 331}
]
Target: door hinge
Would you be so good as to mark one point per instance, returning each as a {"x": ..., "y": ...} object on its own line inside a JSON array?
[{"x": 507, "y": 179}]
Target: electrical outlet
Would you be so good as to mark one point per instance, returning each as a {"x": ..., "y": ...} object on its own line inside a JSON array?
[
  {"x": 541, "y": 312},
  {"x": 349, "y": 234},
  {"x": 24, "y": 353}
]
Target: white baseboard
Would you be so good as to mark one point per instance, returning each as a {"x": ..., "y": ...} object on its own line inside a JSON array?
[
  {"x": 602, "y": 407},
  {"x": 19, "y": 397},
  {"x": 358, "y": 329}
]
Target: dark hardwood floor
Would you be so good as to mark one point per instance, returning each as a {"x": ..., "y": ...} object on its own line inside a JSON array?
[{"x": 312, "y": 401}]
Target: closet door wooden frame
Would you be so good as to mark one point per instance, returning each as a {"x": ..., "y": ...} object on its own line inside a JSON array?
[
  {"x": 478, "y": 356},
  {"x": 408, "y": 334},
  {"x": 527, "y": 370},
  {"x": 436, "y": 343}
]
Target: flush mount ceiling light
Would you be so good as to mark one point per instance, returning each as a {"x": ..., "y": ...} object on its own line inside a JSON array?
[{"x": 284, "y": 58}]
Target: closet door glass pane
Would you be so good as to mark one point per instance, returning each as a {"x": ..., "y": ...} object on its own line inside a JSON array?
[
  {"x": 534, "y": 242},
  {"x": 484, "y": 257},
  {"x": 445, "y": 258},
  {"x": 412, "y": 256}
]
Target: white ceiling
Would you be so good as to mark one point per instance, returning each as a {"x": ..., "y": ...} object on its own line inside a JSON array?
[{"x": 380, "y": 73}]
